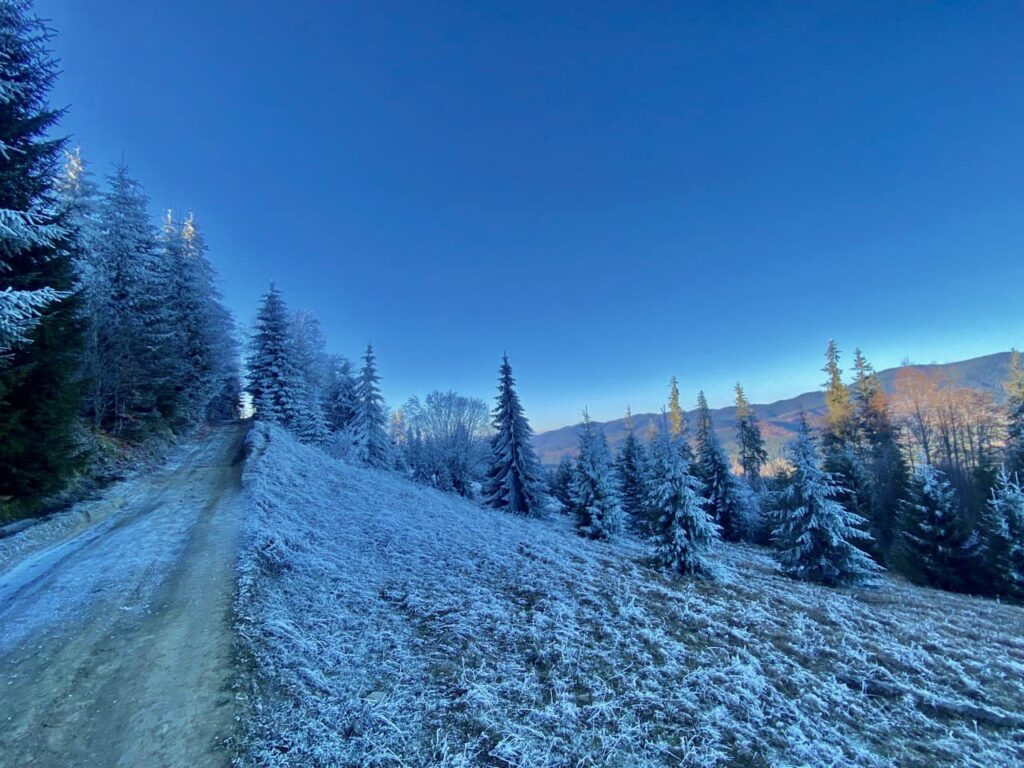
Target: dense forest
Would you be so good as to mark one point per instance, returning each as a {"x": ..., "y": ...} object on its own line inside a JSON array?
[{"x": 112, "y": 331}]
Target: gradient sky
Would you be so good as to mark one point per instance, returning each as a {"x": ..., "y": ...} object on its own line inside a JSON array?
[{"x": 611, "y": 192}]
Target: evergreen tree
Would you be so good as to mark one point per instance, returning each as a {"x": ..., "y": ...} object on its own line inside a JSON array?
[
  {"x": 560, "y": 484},
  {"x": 630, "y": 469},
  {"x": 683, "y": 533},
  {"x": 204, "y": 330},
  {"x": 712, "y": 469},
  {"x": 841, "y": 458},
  {"x": 839, "y": 416},
  {"x": 678, "y": 429},
  {"x": 372, "y": 445},
  {"x": 815, "y": 535},
  {"x": 595, "y": 500},
  {"x": 136, "y": 326},
  {"x": 1015, "y": 417},
  {"x": 879, "y": 456},
  {"x": 1002, "y": 531},
  {"x": 753, "y": 456},
  {"x": 934, "y": 545},
  {"x": 275, "y": 381},
  {"x": 340, "y": 395},
  {"x": 40, "y": 329},
  {"x": 513, "y": 481}
]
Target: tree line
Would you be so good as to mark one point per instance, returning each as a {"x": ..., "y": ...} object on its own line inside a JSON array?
[
  {"x": 926, "y": 482},
  {"x": 109, "y": 325}
]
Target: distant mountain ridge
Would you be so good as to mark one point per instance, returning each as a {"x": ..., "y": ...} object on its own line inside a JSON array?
[{"x": 779, "y": 420}]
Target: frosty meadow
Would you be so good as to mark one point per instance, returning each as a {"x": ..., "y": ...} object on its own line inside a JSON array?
[{"x": 227, "y": 543}]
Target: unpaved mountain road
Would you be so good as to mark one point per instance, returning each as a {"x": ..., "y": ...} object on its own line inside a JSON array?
[{"x": 116, "y": 644}]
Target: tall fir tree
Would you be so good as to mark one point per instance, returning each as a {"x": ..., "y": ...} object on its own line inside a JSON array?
[
  {"x": 752, "y": 453},
  {"x": 595, "y": 499},
  {"x": 1001, "y": 551},
  {"x": 136, "y": 325},
  {"x": 40, "y": 328},
  {"x": 1014, "y": 388},
  {"x": 682, "y": 531},
  {"x": 340, "y": 400},
  {"x": 560, "y": 483},
  {"x": 814, "y": 534},
  {"x": 630, "y": 469},
  {"x": 712, "y": 469},
  {"x": 839, "y": 414},
  {"x": 934, "y": 546},
  {"x": 275, "y": 381},
  {"x": 372, "y": 444},
  {"x": 880, "y": 456},
  {"x": 841, "y": 458},
  {"x": 513, "y": 481}
]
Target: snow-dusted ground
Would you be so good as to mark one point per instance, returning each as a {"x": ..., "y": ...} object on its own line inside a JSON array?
[
  {"x": 392, "y": 625},
  {"x": 115, "y": 640}
]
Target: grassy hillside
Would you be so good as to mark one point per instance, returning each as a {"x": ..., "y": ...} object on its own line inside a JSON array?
[
  {"x": 391, "y": 625},
  {"x": 779, "y": 420}
]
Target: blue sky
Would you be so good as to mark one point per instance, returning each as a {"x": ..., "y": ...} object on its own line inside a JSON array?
[{"x": 611, "y": 192}]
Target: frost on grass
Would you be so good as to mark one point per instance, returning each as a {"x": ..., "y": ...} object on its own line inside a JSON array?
[{"x": 389, "y": 624}]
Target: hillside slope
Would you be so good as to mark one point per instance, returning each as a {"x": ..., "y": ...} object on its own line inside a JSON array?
[
  {"x": 780, "y": 420},
  {"x": 388, "y": 624}
]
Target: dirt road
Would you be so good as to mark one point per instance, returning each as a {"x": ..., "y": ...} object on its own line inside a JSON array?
[{"x": 116, "y": 644}]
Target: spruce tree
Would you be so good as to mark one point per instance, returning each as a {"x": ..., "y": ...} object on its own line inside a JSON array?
[
  {"x": 630, "y": 469},
  {"x": 752, "y": 453},
  {"x": 560, "y": 483},
  {"x": 839, "y": 414},
  {"x": 683, "y": 534},
  {"x": 340, "y": 400},
  {"x": 1015, "y": 417},
  {"x": 275, "y": 382},
  {"x": 1002, "y": 537},
  {"x": 136, "y": 324},
  {"x": 372, "y": 445},
  {"x": 934, "y": 544},
  {"x": 877, "y": 447},
  {"x": 712, "y": 469},
  {"x": 814, "y": 534},
  {"x": 40, "y": 328},
  {"x": 841, "y": 457},
  {"x": 513, "y": 481},
  {"x": 595, "y": 500}
]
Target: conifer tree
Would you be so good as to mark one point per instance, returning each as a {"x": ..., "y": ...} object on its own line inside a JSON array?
[
  {"x": 372, "y": 445},
  {"x": 1015, "y": 417},
  {"x": 814, "y": 534},
  {"x": 712, "y": 469},
  {"x": 204, "y": 328},
  {"x": 838, "y": 419},
  {"x": 934, "y": 541},
  {"x": 683, "y": 534},
  {"x": 879, "y": 455},
  {"x": 560, "y": 485},
  {"x": 40, "y": 329},
  {"x": 513, "y": 481},
  {"x": 630, "y": 469},
  {"x": 752, "y": 453},
  {"x": 595, "y": 499},
  {"x": 275, "y": 381},
  {"x": 341, "y": 395},
  {"x": 136, "y": 334},
  {"x": 841, "y": 458},
  {"x": 1002, "y": 537}
]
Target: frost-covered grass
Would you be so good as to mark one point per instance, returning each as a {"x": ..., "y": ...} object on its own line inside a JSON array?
[{"x": 391, "y": 625}]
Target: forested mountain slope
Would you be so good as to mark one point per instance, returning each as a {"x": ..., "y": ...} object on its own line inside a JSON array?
[
  {"x": 779, "y": 420},
  {"x": 390, "y": 624}
]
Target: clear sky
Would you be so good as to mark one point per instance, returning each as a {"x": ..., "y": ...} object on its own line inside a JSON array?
[{"x": 611, "y": 192}]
